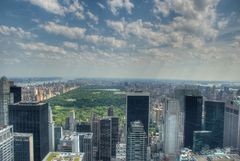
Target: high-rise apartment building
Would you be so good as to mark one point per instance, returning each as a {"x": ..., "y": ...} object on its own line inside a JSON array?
[
  {"x": 23, "y": 147},
  {"x": 193, "y": 118},
  {"x": 214, "y": 121},
  {"x": 136, "y": 142},
  {"x": 6, "y": 143},
  {"x": 32, "y": 118},
  {"x": 138, "y": 109}
]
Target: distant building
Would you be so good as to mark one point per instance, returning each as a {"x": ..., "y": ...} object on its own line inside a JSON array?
[
  {"x": 69, "y": 143},
  {"x": 70, "y": 121},
  {"x": 201, "y": 140},
  {"x": 5, "y": 99},
  {"x": 193, "y": 118},
  {"x": 32, "y": 118},
  {"x": 136, "y": 142},
  {"x": 83, "y": 127},
  {"x": 86, "y": 145},
  {"x": 6, "y": 143},
  {"x": 17, "y": 93},
  {"x": 214, "y": 121},
  {"x": 23, "y": 147},
  {"x": 138, "y": 109},
  {"x": 58, "y": 134},
  {"x": 64, "y": 156},
  {"x": 110, "y": 111},
  {"x": 105, "y": 139},
  {"x": 172, "y": 122}
]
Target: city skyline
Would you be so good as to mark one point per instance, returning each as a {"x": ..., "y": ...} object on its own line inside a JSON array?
[{"x": 127, "y": 39}]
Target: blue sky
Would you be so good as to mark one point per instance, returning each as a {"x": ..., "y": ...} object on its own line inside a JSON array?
[{"x": 168, "y": 39}]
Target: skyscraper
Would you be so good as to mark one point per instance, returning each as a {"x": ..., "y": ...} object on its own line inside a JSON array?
[
  {"x": 231, "y": 125},
  {"x": 105, "y": 139},
  {"x": 6, "y": 143},
  {"x": 115, "y": 135},
  {"x": 85, "y": 145},
  {"x": 214, "y": 121},
  {"x": 136, "y": 142},
  {"x": 58, "y": 134},
  {"x": 138, "y": 109},
  {"x": 172, "y": 122},
  {"x": 32, "y": 118},
  {"x": 17, "y": 93},
  {"x": 83, "y": 127},
  {"x": 5, "y": 100},
  {"x": 51, "y": 130},
  {"x": 110, "y": 111},
  {"x": 69, "y": 143},
  {"x": 193, "y": 118},
  {"x": 23, "y": 147}
]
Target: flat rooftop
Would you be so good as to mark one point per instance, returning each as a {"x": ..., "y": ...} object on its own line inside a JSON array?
[
  {"x": 138, "y": 93},
  {"x": 22, "y": 134},
  {"x": 64, "y": 156}
]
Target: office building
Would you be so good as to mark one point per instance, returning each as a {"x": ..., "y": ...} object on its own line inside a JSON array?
[
  {"x": 105, "y": 139},
  {"x": 193, "y": 118},
  {"x": 83, "y": 127},
  {"x": 51, "y": 130},
  {"x": 201, "y": 140},
  {"x": 172, "y": 122},
  {"x": 32, "y": 118},
  {"x": 115, "y": 135},
  {"x": 58, "y": 134},
  {"x": 70, "y": 121},
  {"x": 5, "y": 99},
  {"x": 138, "y": 109},
  {"x": 69, "y": 143},
  {"x": 23, "y": 147},
  {"x": 6, "y": 143},
  {"x": 85, "y": 145},
  {"x": 214, "y": 121},
  {"x": 231, "y": 125},
  {"x": 136, "y": 142},
  {"x": 17, "y": 93}
]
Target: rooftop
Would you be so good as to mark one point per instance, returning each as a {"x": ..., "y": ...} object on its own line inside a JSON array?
[
  {"x": 64, "y": 156},
  {"x": 22, "y": 134},
  {"x": 138, "y": 93}
]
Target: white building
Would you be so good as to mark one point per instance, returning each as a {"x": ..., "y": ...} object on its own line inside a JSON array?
[
  {"x": 69, "y": 143},
  {"x": 6, "y": 143},
  {"x": 51, "y": 130},
  {"x": 121, "y": 152},
  {"x": 171, "y": 128}
]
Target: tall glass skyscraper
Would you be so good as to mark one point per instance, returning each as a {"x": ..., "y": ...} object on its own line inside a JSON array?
[
  {"x": 138, "y": 109},
  {"x": 193, "y": 118},
  {"x": 214, "y": 121},
  {"x": 6, "y": 143},
  {"x": 32, "y": 118}
]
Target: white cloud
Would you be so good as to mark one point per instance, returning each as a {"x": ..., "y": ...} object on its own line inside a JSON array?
[
  {"x": 51, "y": 6},
  {"x": 161, "y": 7},
  {"x": 70, "y": 32},
  {"x": 109, "y": 41},
  {"x": 116, "y": 5},
  {"x": 101, "y": 5},
  {"x": 15, "y": 31},
  {"x": 92, "y": 16},
  {"x": 42, "y": 47},
  {"x": 71, "y": 45}
]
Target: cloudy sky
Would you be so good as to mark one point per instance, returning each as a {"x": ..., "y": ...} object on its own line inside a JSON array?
[{"x": 166, "y": 39}]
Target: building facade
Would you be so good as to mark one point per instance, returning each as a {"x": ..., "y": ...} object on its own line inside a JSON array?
[
  {"x": 6, "y": 143},
  {"x": 32, "y": 118},
  {"x": 23, "y": 147}
]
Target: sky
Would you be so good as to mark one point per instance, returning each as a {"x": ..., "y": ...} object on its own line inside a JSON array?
[{"x": 160, "y": 39}]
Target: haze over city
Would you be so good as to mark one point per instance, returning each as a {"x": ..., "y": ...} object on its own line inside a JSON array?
[{"x": 195, "y": 40}]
